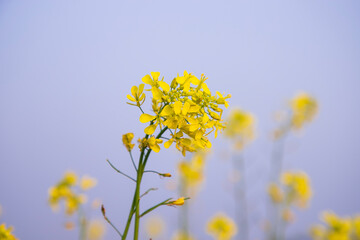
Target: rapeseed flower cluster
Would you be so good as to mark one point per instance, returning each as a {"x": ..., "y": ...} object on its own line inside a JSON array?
[
  {"x": 6, "y": 232},
  {"x": 66, "y": 190},
  {"x": 294, "y": 190},
  {"x": 221, "y": 227},
  {"x": 337, "y": 228},
  {"x": 192, "y": 172},
  {"x": 240, "y": 128},
  {"x": 186, "y": 107},
  {"x": 303, "y": 109}
]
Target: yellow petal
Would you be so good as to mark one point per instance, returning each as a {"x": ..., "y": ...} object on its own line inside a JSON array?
[
  {"x": 141, "y": 88},
  {"x": 167, "y": 110},
  {"x": 134, "y": 90},
  {"x": 155, "y": 75},
  {"x": 157, "y": 94},
  {"x": 144, "y": 118},
  {"x": 164, "y": 86},
  {"x": 155, "y": 148},
  {"x": 150, "y": 129},
  {"x": 177, "y": 107},
  {"x": 147, "y": 79},
  {"x": 195, "y": 80},
  {"x": 185, "y": 108},
  {"x": 206, "y": 89},
  {"x": 130, "y": 98},
  {"x": 180, "y": 80}
]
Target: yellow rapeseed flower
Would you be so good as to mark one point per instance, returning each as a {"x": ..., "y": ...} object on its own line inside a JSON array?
[
  {"x": 221, "y": 227},
  {"x": 138, "y": 97},
  {"x": 6, "y": 233},
  {"x": 96, "y": 230},
  {"x": 177, "y": 202},
  {"x": 182, "y": 236},
  {"x": 304, "y": 108},
  {"x": 298, "y": 187},
  {"x": 87, "y": 182},
  {"x": 127, "y": 138},
  {"x": 187, "y": 107},
  {"x": 275, "y": 193},
  {"x": 240, "y": 128},
  {"x": 191, "y": 172},
  {"x": 152, "y": 143},
  {"x": 335, "y": 228},
  {"x": 155, "y": 226}
]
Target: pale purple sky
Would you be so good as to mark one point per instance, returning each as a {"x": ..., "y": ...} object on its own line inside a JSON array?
[{"x": 66, "y": 67}]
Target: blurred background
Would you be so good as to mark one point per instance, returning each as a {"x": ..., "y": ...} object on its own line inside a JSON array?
[{"x": 67, "y": 66}]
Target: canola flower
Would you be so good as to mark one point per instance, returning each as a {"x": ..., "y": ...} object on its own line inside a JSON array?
[
  {"x": 336, "y": 228},
  {"x": 187, "y": 111},
  {"x": 221, "y": 227},
  {"x": 303, "y": 109},
  {"x": 96, "y": 230},
  {"x": 6, "y": 232},
  {"x": 65, "y": 190},
  {"x": 295, "y": 189},
  {"x": 192, "y": 172},
  {"x": 182, "y": 236},
  {"x": 155, "y": 226},
  {"x": 70, "y": 191},
  {"x": 240, "y": 128}
]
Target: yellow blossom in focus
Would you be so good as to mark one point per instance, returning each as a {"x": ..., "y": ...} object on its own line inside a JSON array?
[
  {"x": 182, "y": 236},
  {"x": 96, "y": 230},
  {"x": 221, "y": 227},
  {"x": 87, "y": 182},
  {"x": 127, "y": 138},
  {"x": 138, "y": 97},
  {"x": 187, "y": 108},
  {"x": 152, "y": 143},
  {"x": 154, "y": 226},
  {"x": 5, "y": 233},
  {"x": 304, "y": 108},
  {"x": 177, "y": 202},
  {"x": 275, "y": 193},
  {"x": 240, "y": 128}
]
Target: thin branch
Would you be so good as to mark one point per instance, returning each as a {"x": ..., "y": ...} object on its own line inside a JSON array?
[
  {"x": 141, "y": 109},
  {"x": 132, "y": 159},
  {"x": 154, "y": 207},
  {"x": 150, "y": 189},
  {"x": 120, "y": 171},
  {"x": 103, "y": 212}
]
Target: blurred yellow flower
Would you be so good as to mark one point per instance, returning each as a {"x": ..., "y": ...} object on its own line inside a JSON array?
[
  {"x": 155, "y": 226},
  {"x": 70, "y": 178},
  {"x": 336, "y": 228},
  {"x": 275, "y": 193},
  {"x": 182, "y": 236},
  {"x": 240, "y": 128},
  {"x": 96, "y": 230},
  {"x": 298, "y": 188},
  {"x": 127, "y": 138},
  {"x": 221, "y": 227},
  {"x": 304, "y": 108},
  {"x": 87, "y": 182},
  {"x": 5, "y": 233}
]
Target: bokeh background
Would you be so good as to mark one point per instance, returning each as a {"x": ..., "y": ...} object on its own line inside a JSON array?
[{"x": 66, "y": 67}]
